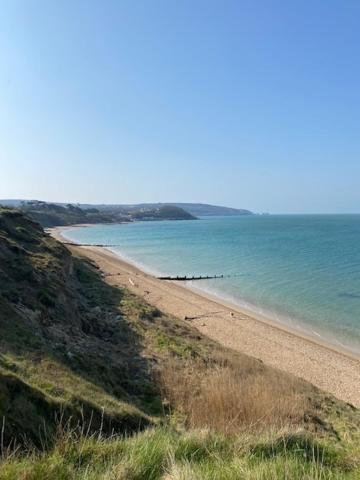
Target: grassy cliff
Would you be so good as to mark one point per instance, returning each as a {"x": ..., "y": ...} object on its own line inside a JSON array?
[{"x": 97, "y": 384}]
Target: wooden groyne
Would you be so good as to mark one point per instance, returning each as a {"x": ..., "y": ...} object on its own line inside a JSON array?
[
  {"x": 187, "y": 278},
  {"x": 178, "y": 278},
  {"x": 89, "y": 244}
]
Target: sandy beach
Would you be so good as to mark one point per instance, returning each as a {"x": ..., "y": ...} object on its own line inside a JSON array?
[{"x": 324, "y": 366}]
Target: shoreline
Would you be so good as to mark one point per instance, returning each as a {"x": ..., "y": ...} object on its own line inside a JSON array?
[
  {"x": 327, "y": 366},
  {"x": 318, "y": 339},
  {"x": 275, "y": 324}
]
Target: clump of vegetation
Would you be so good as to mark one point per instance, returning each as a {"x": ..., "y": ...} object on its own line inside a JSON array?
[{"x": 223, "y": 398}]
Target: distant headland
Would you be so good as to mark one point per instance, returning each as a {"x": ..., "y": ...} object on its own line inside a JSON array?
[{"x": 60, "y": 214}]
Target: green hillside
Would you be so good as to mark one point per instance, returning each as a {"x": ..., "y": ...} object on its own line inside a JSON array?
[
  {"x": 165, "y": 212},
  {"x": 97, "y": 384},
  {"x": 51, "y": 214}
]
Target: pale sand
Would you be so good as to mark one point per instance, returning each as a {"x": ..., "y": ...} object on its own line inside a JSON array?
[{"x": 329, "y": 369}]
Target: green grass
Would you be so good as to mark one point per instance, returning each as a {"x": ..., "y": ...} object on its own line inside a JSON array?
[
  {"x": 164, "y": 453},
  {"x": 166, "y": 335}
]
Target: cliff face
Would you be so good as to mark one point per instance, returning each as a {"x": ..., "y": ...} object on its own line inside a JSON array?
[{"x": 63, "y": 342}]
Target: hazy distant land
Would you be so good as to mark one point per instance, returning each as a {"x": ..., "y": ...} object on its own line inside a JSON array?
[{"x": 57, "y": 214}]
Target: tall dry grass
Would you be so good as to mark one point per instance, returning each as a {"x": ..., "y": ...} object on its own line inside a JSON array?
[{"x": 223, "y": 398}]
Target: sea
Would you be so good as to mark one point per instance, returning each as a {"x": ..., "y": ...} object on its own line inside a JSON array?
[{"x": 302, "y": 271}]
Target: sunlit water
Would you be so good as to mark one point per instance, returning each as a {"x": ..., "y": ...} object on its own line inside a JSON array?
[{"x": 303, "y": 271}]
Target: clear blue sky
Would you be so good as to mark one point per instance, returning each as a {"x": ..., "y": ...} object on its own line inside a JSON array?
[{"x": 252, "y": 104}]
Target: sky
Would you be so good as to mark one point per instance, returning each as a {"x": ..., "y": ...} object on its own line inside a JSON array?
[{"x": 251, "y": 104}]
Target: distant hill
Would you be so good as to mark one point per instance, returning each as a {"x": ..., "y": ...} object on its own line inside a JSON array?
[
  {"x": 204, "y": 209},
  {"x": 196, "y": 209},
  {"x": 162, "y": 212},
  {"x": 53, "y": 214}
]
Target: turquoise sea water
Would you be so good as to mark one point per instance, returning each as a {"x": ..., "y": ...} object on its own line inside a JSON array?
[{"x": 301, "y": 270}]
